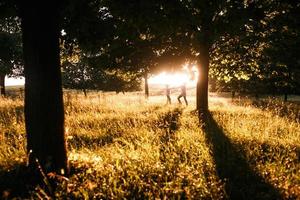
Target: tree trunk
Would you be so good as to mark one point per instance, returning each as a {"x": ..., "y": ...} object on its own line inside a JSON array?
[
  {"x": 146, "y": 85},
  {"x": 2, "y": 84},
  {"x": 213, "y": 84},
  {"x": 256, "y": 97},
  {"x": 44, "y": 111},
  {"x": 232, "y": 95},
  {"x": 287, "y": 87},
  {"x": 84, "y": 92},
  {"x": 285, "y": 97},
  {"x": 202, "y": 84}
]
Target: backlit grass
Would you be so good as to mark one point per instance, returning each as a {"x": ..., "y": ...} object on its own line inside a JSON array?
[{"x": 124, "y": 147}]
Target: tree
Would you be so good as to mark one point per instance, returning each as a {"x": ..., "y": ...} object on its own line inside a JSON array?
[
  {"x": 77, "y": 76},
  {"x": 44, "y": 111},
  {"x": 263, "y": 58},
  {"x": 10, "y": 49},
  {"x": 142, "y": 26},
  {"x": 235, "y": 61},
  {"x": 282, "y": 64},
  {"x": 187, "y": 24},
  {"x": 82, "y": 75},
  {"x": 151, "y": 29},
  {"x": 100, "y": 62},
  {"x": 76, "y": 71},
  {"x": 121, "y": 81},
  {"x": 208, "y": 22},
  {"x": 134, "y": 40}
]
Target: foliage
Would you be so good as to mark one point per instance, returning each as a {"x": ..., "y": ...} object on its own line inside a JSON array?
[
  {"x": 282, "y": 61},
  {"x": 263, "y": 57},
  {"x": 79, "y": 72},
  {"x": 11, "y": 50}
]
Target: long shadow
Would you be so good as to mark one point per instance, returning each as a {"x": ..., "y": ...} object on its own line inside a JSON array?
[
  {"x": 92, "y": 142},
  {"x": 19, "y": 181},
  {"x": 12, "y": 182},
  {"x": 241, "y": 182},
  {"x": 170, "y": 124}
]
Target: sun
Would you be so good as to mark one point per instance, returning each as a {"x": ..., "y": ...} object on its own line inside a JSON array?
[{"x": 175, "y": 79}]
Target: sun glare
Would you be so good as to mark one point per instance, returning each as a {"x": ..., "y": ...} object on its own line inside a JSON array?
[
  {"x": 184, "y": 76},
  {"x": 14, "y": 81}
]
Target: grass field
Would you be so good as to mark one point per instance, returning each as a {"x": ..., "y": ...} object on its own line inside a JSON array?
[{"x": 123, "y": 147}]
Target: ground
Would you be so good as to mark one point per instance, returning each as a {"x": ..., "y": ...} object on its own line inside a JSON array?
[{"x": 125, "y": 147}]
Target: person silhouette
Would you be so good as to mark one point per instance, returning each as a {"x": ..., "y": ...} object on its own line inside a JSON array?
[
  {"x": 168, "y": 92},
  {"x": 182, "y": 94}
]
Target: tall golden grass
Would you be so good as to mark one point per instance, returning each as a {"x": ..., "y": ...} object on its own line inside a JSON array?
[{"x": 126, "y": 147}]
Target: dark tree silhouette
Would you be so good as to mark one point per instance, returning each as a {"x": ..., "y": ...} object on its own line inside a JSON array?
[
  {"x": 44, "y": 112},
  {"x": 2, "y": 84}
]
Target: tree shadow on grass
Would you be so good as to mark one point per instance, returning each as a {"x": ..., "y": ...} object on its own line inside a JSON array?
[
  {"x": 170, "y": 124},
  {"x": 17, "y": 182},
  {"x": 79, "y": 141},
  {"x": 24, "y": 181},
  {"x": 170, "y": 155},
  {"x": 12, "y": 183},
  {"x": 241, "y": 182}
]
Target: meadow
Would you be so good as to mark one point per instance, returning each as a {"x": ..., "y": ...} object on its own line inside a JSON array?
[{"x": 126, "y": 147}]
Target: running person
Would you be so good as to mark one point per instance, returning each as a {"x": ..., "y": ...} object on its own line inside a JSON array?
[
  {"x": 168, "y": 92},
  {"x": 182, "y": 94}
]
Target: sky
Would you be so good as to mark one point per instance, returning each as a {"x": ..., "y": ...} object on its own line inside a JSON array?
[{"x": 14, "y": 81}]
